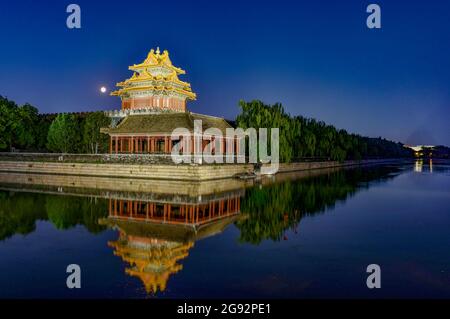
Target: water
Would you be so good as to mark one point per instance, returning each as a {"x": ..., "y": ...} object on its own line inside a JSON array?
[{"x": 304, "y": 235}]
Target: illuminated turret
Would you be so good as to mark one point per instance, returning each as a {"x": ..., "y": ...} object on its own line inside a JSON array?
[
  {"x": 155, "y": 84},
  {"x": 151, "y": 260}
]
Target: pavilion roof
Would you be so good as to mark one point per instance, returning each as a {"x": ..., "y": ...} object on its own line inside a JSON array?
[
  {"x": 181, "y": 233},
  {"x": 165, "y": 123}
]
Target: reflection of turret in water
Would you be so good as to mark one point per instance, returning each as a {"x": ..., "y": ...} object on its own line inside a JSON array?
[
  {"x": 154, "y": 237},
  {"x": 151, "y": 260},
  {"x": 174, "y": 213}
]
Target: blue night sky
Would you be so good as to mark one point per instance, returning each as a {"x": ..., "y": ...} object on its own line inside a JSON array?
[{"x": 317, "y": 58}]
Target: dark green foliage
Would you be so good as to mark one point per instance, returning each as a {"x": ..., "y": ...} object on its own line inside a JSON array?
[
  {"x": 64, "y": 134},
  {"x": 43, "y": 126},
  {"x": 23, "y": 128},
  {"x": 7, "y": 123},
  {"x": 302, "y": 138},
  {"x": 20, "y": 211},
  {"x": 93, "y": 141},
  {"x": 18, "y": 125},
  {"x": 67, "y": 212}
]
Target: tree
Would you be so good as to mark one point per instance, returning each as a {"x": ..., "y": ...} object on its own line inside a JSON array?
[
  {"x": 25, "y": 129},
  {"x": 42, "y": 127},
  {"x": 93, "y": 140},
  {"x": 17, "y": 125},
  {"x": 63, "y": 134},
  {"x": 19, "y": 212},
  {"x": 8, "y": 123}
]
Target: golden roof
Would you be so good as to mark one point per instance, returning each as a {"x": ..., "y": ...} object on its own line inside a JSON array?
[
  {"x": 152, "y": 263},
  {"x": 155, "y": 58},
  {"x": 158, "y": 69}
]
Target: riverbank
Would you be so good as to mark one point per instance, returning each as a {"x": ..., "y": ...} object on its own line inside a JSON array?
[{"x": 147, "y": 167}]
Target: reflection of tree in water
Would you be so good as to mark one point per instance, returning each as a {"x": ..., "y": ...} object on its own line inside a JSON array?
[
  {"x": 20, "y": 211},
  {"x": 273, "y": 209},
  {"x": 66, "y": 212}
]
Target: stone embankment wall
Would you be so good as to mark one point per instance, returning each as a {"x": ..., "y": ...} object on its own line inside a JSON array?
[
  {"x": 89, "y": 158},
  {"x": 153, "y": 171},
  {"x": 302, "y": 166},
  {"x": 152, "y": 167}
]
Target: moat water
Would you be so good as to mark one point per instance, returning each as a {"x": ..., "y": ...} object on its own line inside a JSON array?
[{"x": 293, "y": 237}]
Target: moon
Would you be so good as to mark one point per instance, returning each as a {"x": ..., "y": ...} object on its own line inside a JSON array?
[{"x": 103, "y": 89}]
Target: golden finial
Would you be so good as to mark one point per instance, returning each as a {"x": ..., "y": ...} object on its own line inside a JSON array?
[{"x": 157, "y": 50}]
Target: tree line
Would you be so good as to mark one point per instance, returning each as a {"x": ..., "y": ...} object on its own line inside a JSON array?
[
  {"x": 23, "y": 128},
  {"x": 302, "y": 137},
  {"x": 19, "y": 212}
]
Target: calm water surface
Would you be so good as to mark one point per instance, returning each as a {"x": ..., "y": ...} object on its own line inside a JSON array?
[{"x": 307, "y": 237}]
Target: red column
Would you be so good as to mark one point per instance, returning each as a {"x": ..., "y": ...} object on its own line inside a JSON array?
[
  {"x": 166, "y": 145},
  {"x": 196, "y": 213},
  {"x": 169, "y": 144}
]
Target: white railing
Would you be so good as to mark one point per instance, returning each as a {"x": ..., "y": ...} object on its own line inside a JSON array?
[{"x": 143, "y": 111}]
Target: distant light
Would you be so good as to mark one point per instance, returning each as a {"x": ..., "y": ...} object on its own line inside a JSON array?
[{"x": 103, "y": 89}]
